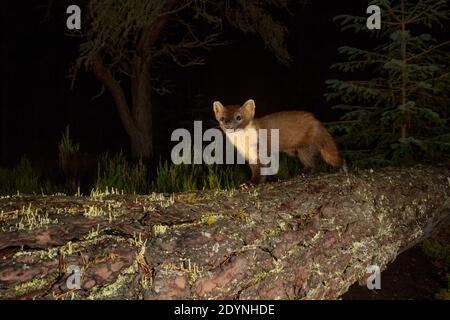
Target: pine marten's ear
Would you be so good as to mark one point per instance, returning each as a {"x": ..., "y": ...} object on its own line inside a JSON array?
[
  {"x": 249, "y": 108},
  {"x": 218, "y": 109}
]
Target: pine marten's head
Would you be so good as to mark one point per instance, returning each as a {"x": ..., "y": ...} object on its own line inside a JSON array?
[{"x": 234, "y": 117}]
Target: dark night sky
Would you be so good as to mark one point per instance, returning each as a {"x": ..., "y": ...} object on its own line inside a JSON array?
[{"x": 37, "y": 102}]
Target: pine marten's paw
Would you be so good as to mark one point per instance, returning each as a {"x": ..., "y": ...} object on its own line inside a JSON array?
[
  {"x": 247, "y": 186},
  {"x": 344, "y": 167}
]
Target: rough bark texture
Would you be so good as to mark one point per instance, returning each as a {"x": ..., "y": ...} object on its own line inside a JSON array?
[
  {"x": 305, "y": 238},
  {"x": 137, "y": 120},
  {"x": 141, "y": 139}
]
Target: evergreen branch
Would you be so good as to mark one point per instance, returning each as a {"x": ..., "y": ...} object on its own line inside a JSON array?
[
  {"x": 416, "y": 8},
  {"x": 432, "y": 48},
  {"x": 330, "y": 123},
  {"x": 425, "y": 12}
]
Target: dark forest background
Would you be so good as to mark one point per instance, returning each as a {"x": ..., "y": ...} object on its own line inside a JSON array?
[{"x": 37, "y": 101}]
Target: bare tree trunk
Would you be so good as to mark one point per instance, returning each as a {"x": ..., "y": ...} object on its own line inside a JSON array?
[
  {"x": 137, "y": 120},
  {"x": 141, "y": 140},
  {"x": 307, "y": 238},
  {"x": 141, "y": 145}
]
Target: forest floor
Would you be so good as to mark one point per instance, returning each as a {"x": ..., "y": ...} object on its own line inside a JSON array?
[{"x": 414, "y": 275}]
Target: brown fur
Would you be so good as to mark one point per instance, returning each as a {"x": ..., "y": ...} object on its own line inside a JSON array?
[{"x": 300, "y": 133}]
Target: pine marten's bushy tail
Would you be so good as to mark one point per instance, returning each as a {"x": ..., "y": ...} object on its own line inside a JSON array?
[{"x": 329, "y": 151}]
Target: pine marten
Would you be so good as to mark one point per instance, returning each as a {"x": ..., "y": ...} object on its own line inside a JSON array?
[{"x": 300, "y": 134}]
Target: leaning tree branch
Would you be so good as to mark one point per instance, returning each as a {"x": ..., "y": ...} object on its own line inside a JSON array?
[
  {"x": 150, "y": 35},
  {"x": 104, "y": 75}
]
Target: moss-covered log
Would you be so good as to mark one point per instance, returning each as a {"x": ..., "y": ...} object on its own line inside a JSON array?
[{"x": 310, "y": 237}]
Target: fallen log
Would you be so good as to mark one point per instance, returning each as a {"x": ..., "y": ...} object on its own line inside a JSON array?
[{"x": 307, "y": 238}]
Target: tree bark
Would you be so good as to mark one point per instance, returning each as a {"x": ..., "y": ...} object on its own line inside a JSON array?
[
  {"x": 141, "y": 142},
  {"x": 307, "y": 238},
  {"x": 137, "y": 120}
]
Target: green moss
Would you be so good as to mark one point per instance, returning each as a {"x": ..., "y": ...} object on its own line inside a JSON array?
[
  {"x": 31, "y": 285},
  {"x": 158, "y": 229},
  {"x": 273, "y": 232},
  {"x": 261, "y": 275},
  {"x": 210, "y": 219},
  {"x": 191, "y": 198},
  {"x": 111, "y": 290},
  {"x": 241, "y": 215}
]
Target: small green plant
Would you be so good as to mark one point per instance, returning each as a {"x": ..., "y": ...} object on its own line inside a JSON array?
[
  {"x": 289, "y": 167},
  {"x": 223, "y": 176},
  {"x": 23, "y": 179},
  {"x": 118, "y": 173},
  {"x": 26, "y": 179},
  {"x": 174, "y": 178},
  {"x": 191, "y": 177},
  {"x": 444, "y": 294},
  {"x": 437, "y": 247},
  {"x": 67, "y": 149}
]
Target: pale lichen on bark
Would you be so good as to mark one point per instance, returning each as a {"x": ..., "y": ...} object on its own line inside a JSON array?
[{"x": 306, "y": 238}]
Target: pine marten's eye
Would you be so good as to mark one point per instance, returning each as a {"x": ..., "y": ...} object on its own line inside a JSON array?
[
  {"x": 222, "y": 119},
  {"x": 238, "y": 118}
]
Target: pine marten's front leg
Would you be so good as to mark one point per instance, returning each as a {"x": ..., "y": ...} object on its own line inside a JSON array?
[
  {"x": 255, "y": 179},
  {"x": 256, "y": 173}
]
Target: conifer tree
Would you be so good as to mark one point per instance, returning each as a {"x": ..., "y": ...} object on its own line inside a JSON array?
[{"x": 396, "y": 94}]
